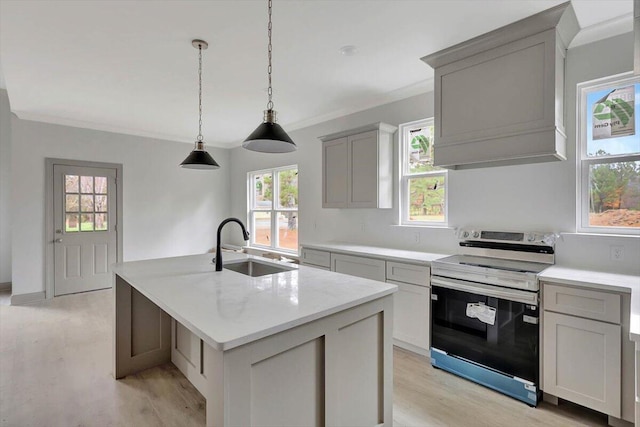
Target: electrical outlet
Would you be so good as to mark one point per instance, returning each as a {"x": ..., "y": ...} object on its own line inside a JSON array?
[
  {"x": 416, "y": 237},
  {"x": 363, "y": 226},
  {"x": 616, "y": 253}
]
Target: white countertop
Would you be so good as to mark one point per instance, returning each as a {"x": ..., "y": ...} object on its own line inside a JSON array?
[
  {"x": 228, "y": 309},
  {"x": 603, "y": 281},
  {"x": 412, "y": 257}
]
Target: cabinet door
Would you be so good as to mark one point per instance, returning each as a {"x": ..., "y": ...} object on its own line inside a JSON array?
[
  {"x": 363, "y": 170},
  {"x": 368, "y": 268},
  {"x": 315, "y": 258},
  {"x": 335, "y": 173},
  {"x": 411, "y": 311},
  {"x": 582, "y": 361}
]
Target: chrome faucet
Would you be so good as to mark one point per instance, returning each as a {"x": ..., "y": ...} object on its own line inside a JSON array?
[{"x": 245, "y": 234}]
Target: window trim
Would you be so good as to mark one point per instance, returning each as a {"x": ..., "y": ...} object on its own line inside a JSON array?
[
  {"x": 583, "y": 161},
  {"x": 274, "y": 210},
  {"x": 403, "y": 179}
]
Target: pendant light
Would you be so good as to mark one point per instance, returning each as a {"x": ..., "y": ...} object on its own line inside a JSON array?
[
  {"x": 199, "y": 158},
  {"x": 269, "y": 137}
]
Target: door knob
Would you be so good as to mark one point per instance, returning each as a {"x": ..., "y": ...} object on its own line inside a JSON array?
[{"x": 58, "y": 241}]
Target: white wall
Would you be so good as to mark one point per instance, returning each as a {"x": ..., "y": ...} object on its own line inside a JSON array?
[
  {"x": 168, "y": 211},
  {"x": 525, "y": 197},
  {"x": 5, "y": 187}
]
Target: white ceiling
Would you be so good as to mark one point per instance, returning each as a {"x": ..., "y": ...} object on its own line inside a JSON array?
[{"x": 128, "y": 66}]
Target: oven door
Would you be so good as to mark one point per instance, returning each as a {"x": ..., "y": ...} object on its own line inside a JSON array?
[{"x": 488, "y": 325}]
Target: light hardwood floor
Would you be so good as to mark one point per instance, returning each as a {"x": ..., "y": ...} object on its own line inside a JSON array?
[{"x": 56, "y": 362}]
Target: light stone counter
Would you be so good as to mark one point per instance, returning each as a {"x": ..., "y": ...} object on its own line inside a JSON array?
[
  {"x": 300, "y": 347},
  {"x": 411, "y": 257}
]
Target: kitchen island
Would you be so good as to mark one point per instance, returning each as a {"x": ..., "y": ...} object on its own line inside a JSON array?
[{"x": 299, "y": 347}]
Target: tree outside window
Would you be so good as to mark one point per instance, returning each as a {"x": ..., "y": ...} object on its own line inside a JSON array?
[
  {"x": 273, "y": 208},
  {"x": 423, "y": 194},
  {"x": 609, "y": 156}
]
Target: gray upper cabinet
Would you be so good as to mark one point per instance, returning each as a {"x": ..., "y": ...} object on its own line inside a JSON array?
[
  {"x": 357, "y": 167},
  {"x": 499, "y": 96}
]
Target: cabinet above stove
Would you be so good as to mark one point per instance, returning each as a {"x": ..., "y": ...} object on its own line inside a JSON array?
[{"x": 499, "y": 96}]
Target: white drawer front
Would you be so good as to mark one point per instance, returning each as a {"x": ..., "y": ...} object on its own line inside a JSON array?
[
  {"x": 316, "y": 257},
  {"x": 408, "y": 273},
  {"x": 582, "y": 302},
  {"x": 368, "y": 268}
]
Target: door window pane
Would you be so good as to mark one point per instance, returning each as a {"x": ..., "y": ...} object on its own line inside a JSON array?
[
  {"x": 86, "y": 203},
  {"x": 614, "y": 194},
  {"x": 288, "y": 186},
  {"x": 71, "y": 223},
  {"x": 86, "y": 222},
  {"x": 71, "y": 183},
  {"x": 101, "y": 222},
  {"x": 101, "y": 185},
  {"x": 86, "y": 184},
  {"x": 426, "y": 199},
  {"x": 288, "y": 230},
  {"x": 101, "y": 203},
  {"x": 71, "y": 204},
  {"x": 262, "y": 228},
  {"x": 262, "y": 191}
]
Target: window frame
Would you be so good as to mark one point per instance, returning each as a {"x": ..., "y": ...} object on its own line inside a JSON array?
[
  {"x": 583, "y": 162},
  {"x": 404, "y": 176},
  {"x": 274, "y": 210}
]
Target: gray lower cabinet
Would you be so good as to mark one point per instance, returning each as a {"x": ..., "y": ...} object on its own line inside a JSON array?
[
  {"x": 357, "y": 168},
  {"x": 587, "y": 356},
  {"x": 412, "y": 302},
  {"x": 411, "y": 310},
  {"x": 369, "y": 268},
  {"x": 582, "y": 361}
]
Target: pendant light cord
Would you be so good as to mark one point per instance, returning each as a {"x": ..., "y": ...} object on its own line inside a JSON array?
[
  {"x": 269, "y": 68},
  {"x": 199, "y": 137}
]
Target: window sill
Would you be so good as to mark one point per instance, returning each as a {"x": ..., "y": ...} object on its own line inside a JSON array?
[
  {"x": 257, "y": 250},
  {"x": 423, "y": 226}
]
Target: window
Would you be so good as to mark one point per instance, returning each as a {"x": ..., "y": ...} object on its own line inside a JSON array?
[
  {"x": 273, "y": 208},
  {"x": 85, "y": 203},
  {"x": 609, "y": 156},
  {"x": 423, "y": 194}
]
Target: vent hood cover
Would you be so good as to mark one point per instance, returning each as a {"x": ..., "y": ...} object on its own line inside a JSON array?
[{"x": 499, "y": 96}]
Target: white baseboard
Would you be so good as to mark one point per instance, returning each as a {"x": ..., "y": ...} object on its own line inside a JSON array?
[
  {"x": 6, "y": 286},
  {"x": 413, "y": 348},
  {"x": 22, "y": 299}
]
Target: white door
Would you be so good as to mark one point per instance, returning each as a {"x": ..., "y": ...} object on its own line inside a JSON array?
[{"x": 84, "y": 206}]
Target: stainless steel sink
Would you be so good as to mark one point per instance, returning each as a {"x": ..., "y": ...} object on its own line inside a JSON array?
[{"x": 255, "y": 268}]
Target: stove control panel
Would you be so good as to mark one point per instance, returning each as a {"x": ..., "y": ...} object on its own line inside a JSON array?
[{"x": 527, "y": 238}]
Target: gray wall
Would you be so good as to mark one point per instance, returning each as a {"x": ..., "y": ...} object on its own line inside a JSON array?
[
  {"x": 168, "y": 211},
  {"x": 525, "y": 197},
  {"x": 5, "y": 187}
]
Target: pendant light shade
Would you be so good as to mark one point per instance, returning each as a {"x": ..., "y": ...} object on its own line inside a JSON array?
[
  {"x": 269, "y": 137},
  {"x": 199, "y": 158}
]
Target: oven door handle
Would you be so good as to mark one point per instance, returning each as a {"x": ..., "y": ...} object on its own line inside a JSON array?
[{"x": 530, "y": 298}]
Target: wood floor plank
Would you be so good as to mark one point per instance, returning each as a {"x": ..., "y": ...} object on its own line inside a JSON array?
[{"x": 55, "y": 370}]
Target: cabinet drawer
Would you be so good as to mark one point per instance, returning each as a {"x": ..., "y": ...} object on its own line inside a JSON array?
[
  {"x": 408, "y": 273},
  {"x": 315, "y": 257},
  {"x": 582, "y": 302},
  {"x": 367, "y": 268}
]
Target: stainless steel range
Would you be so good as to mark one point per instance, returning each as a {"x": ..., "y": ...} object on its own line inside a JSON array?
[{"x": 484, "y": 310}]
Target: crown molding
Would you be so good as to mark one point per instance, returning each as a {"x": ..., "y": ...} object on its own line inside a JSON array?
[
  {"x": 35, "y": 117},
  {"x": 418, "y": 88},
  {"x": 603, "y": 30}
]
